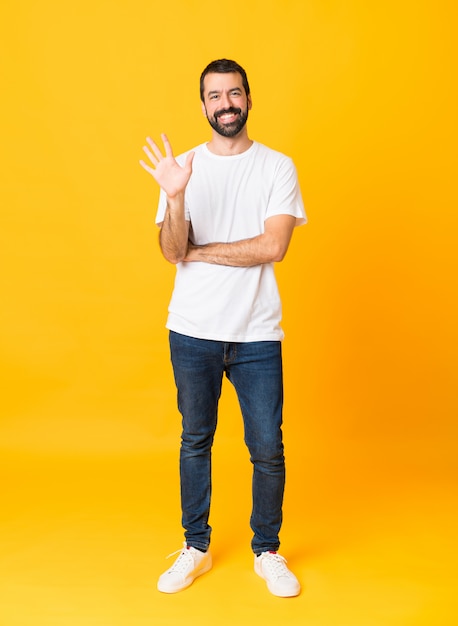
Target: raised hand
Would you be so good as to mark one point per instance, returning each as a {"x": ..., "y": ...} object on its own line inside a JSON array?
[{"x": 171, "y": 177}]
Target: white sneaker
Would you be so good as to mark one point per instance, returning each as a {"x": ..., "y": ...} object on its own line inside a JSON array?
[
  {"x": 189, "y": 564},
  {"x": 280, "y": 581}
]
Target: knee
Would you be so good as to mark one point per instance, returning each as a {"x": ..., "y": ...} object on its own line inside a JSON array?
[
  {"x": 267, "y": 452},
  {"x": 197, "y": 442}
]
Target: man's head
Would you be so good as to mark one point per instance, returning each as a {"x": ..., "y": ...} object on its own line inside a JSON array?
[{"x": 225, "y": 95}]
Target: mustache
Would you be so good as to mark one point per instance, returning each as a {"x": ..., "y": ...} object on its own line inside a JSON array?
[{"x": 233, "y": 110}]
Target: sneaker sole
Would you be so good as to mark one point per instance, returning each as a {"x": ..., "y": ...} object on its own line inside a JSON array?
[
  {"x": 187, "y": 582},
  {"x": 276, "y": 592}
]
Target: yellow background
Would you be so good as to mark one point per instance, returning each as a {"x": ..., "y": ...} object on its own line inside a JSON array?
[{"x": 362, "y": 95}]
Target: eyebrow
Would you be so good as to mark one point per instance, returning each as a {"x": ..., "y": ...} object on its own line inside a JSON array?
[{"x": 216, "y": 91}]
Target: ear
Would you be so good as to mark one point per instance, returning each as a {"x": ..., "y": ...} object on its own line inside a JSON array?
[
  {"x": 249, "y": 102},
  {"x": 204, "y": 110}
]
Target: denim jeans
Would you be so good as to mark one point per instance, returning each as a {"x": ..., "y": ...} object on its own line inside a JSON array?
[{"x": 255, "y": 370}]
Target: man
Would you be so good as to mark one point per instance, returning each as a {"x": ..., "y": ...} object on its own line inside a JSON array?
[{"x": 226, "y": 212}]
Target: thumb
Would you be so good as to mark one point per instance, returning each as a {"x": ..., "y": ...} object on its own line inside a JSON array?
[{"x": 189, "y": 160}]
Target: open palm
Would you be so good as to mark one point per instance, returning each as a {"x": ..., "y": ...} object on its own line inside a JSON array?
[{"x": 171, "y": 177}]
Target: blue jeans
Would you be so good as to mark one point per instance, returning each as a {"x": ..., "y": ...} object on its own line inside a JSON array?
[{"x": 255, "y": 370}]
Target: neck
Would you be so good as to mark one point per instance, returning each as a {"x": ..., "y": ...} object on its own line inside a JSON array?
[{"x": 229, "y": 146}]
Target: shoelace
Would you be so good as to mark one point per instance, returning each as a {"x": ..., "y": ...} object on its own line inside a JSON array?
[
  {"x": 183, "y": 561},
  {"x": 276, "y": 564}
]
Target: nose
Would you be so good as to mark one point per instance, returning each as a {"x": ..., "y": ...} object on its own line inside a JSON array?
[{"x": 225, "y": 102}]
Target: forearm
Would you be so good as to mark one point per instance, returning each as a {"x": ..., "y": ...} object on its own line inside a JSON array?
[
  {"x": 173, "y": 237},
  {"x": 245, "y": 253}
]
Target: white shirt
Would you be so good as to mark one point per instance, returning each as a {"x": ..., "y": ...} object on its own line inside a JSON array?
[{"x": 228, "y": 198}]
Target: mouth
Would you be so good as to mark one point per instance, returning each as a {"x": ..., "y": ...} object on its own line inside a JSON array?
[{"x": 228, "y": 116}]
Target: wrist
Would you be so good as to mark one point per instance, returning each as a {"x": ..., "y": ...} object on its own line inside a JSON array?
[
  {"x": 176, "y": 198},
  {"x": 175, "y": 204},
  {"x": 191, "y": 254}
]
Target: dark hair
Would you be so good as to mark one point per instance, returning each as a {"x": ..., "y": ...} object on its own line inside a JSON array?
[{"x": 224, "y": 66}]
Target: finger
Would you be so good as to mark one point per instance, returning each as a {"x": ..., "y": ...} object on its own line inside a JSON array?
[
  {"x": 147, "y": 167},
  {"x": 167, "y": 146},
  {"x": 150, "y": 155},
  {"x": 154, "y": 148}
]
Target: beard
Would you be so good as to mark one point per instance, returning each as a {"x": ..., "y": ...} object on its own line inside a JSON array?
[{"x": 228, "y": 130}]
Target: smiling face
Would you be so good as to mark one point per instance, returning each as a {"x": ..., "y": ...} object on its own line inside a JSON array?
[{"x": 225, "y": 103}]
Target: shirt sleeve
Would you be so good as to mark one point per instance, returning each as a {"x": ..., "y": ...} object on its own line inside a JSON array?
[
  {"x": 285, "y": 197},
  {"x": 162, "y": 205}
]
